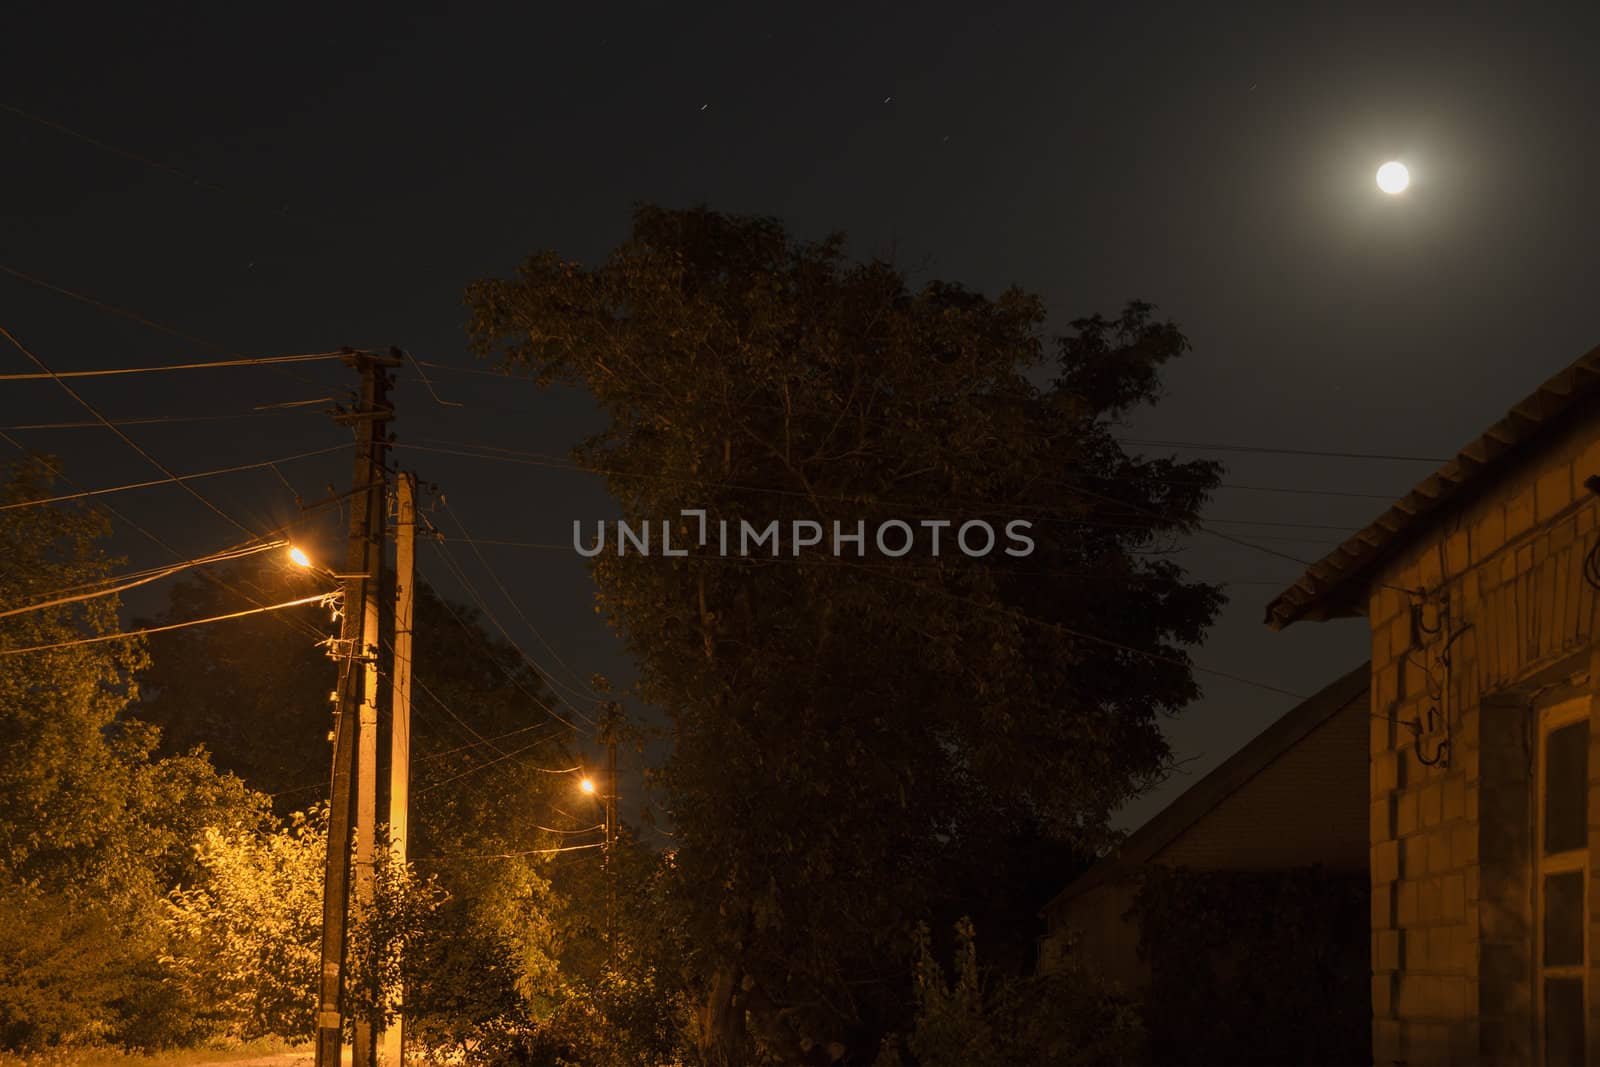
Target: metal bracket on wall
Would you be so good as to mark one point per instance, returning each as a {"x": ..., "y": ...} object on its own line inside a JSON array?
[{"x": 1437, "y": 679}]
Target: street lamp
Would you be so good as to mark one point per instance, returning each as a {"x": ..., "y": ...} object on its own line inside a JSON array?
[
  {"x": 301, "y": 559},
  {"x": 587, "y": 785}
]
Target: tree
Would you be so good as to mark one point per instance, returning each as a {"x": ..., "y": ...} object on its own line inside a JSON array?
[
  {"x": 62, "y": 783},
  {"x": 92, "y": 829},
  {"x": 845, "y": 725}
]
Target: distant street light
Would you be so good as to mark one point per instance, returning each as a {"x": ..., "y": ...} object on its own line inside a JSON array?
[
  {"x": 587, "y": 785},
  {"x": 298, "y": 557}
]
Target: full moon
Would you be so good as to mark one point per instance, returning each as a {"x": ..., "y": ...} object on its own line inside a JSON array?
[{"x": 1393, "y": 177}]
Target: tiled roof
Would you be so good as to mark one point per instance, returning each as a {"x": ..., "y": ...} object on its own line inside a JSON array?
[{"x": 1334, "y": 586}]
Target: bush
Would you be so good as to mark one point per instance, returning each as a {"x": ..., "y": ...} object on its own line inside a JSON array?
[
  {"x": 60, "y": 969},
  {"x": 243, "y": 944},
  {"x": 1064, "y": 1018},
  {"x": 1256, "y": 968}
]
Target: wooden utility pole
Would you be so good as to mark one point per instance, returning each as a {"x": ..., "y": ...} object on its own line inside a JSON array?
[
  {"x": 400, "y": 715},
  {"x": 363, "y": 567}
]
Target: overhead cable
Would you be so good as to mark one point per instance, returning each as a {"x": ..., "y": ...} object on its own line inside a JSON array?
[{"x": 126, "y": 634}]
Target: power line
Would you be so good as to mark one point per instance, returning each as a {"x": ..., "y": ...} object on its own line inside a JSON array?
[
  {"x": 555, "y": 462},
  {"x": 1050, "y": 513},
  {"x": 1076, "y": 633},
  {"x": 1143, "y": 442},
  {"x": 588, "y": 692},
  {"x": 511, "y": 455},
  {"x": 134, "y": 316},
  {"x": 1240, "y": 541},
  {"x": 1206, "y": 446},
  {"x": 126, "y": 634},
  {"x": 92, "y": 410},
  {"x": 1203, "y": 526},
  {"x": 505, "y": 855},
  {"x": 246, "y": 361},
  {"x": 472, "y": 592},
  {"x": 134, "y": 583},
  {"x": 153, "y": 420},
  {"x": 437, "y": 399},
  {"x": 429, "y": 758},
  {"x": 113, "y": 513},
  {"x": 223, "y": 555},
  {"x": 279, "y": 211},
  {"x": 459, "y": 721},
  {"x": 191, "y": 490},
  {"x": 1299, "y": 490},
  {"x": 490, "y": 763},
  {"x": 172, "y": 480},
  {"x": 1095, "y": 638},
  {"x": 1199, "y": 525},
  {"x": 825, "y": 560},
  {"x": 486, "y": 741}
]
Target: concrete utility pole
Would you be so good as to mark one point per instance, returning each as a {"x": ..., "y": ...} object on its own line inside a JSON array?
[
  {"x": 608, "y": 734},
  {"x": 400, "y": 715},
  {"x": 363, "y": 568},
  {"x": 364, "y": 1051}
]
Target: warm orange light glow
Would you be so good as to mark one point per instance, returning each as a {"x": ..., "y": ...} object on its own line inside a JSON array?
[
  {"x": 586, "y": 785},
  {"x": 298, "y": 556}
]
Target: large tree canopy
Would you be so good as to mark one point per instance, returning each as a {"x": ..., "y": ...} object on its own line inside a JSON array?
[{"x": 847, "y": 724}]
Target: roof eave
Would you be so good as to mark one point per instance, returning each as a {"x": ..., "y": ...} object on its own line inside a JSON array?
[{"x": 1335, "y": 586}]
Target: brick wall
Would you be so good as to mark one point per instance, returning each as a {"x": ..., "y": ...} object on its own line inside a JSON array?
[{"x": 1452, "y": 941}]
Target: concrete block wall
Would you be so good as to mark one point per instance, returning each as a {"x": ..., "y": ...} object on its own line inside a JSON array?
[{"x": 1452, "y": 935}]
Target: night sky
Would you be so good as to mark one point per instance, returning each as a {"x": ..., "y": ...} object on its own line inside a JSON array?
[{"x": 312, "y": 178}]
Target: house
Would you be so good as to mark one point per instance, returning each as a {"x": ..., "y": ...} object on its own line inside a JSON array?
[
  {"x": 1289, "y": 798},
  {"x": 1479, "y": 590},
  {"x": 1279, "y": 827}
]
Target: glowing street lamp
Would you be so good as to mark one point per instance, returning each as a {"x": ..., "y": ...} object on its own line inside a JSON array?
[
  {"x": 587, "y": 785},
  {"x": 301, "y": 559}
]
